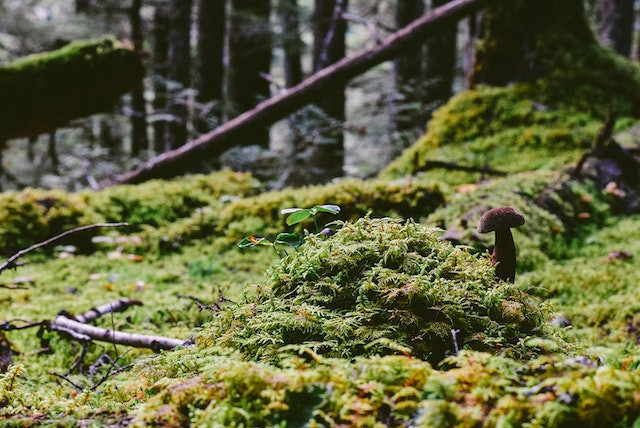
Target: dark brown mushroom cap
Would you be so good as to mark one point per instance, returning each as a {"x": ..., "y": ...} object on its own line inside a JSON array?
[{"x": 500, "y": 218}]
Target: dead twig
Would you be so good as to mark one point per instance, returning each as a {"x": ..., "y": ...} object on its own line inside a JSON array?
[
  {"x": 95, "y": 313},
  {"x": 156, "y": 343},
  {"x": 214, "y": 307},
  {"x": 10, "y": 261},
  {"x": 66, "y": 379},
  {"x": 109, "y": 373}
]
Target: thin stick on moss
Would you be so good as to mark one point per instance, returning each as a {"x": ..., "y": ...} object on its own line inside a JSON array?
[
  {"x": 11, "y": 260},
  {"x": 156, "y": 343}
]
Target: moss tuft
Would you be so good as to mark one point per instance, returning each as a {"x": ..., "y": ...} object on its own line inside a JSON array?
[{"x": 380, "y": 286}]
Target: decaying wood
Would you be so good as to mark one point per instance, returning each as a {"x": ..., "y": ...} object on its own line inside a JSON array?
[
  {"x": 11, "y": 260},
  {"x": 276, "y": 108},
  {"x": 156, "y": 343},
  {"x": 42, "y": 92},
  {"x": 115, "y": 306}
]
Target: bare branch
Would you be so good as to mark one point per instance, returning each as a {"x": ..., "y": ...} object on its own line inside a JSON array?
[
  {"x": 10, "y": 261},
  {"x": 155, "y": 343},
  {"x": 66, "y": 379},
  {"x": 115, "y": 306}
]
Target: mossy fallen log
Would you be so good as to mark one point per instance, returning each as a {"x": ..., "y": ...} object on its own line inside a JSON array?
[{"x": 42, "y": 92}]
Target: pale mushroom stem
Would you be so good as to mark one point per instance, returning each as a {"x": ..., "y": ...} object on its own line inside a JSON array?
[{"x": 504, "y": 254}]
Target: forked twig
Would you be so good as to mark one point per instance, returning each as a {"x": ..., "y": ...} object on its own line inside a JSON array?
[{"x": 10, "y": 261}]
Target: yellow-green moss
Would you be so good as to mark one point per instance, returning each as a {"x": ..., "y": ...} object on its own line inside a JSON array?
[
  {"x": 476, "y": 390},
  {"x": 33, "y": 215}
]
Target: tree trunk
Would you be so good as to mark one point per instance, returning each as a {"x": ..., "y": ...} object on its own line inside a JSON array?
[
  {"x": 139, "y": 138},
  {"x": 160, "y": 67},
  {"x": 440, "y": 66},
  {"x": 230, "y": 133},
  {"x": 408, "y": 70},
  {"x": 249, "y": 59},
  {"x": 210, "y": 67},
  {"x": 616, "y": 25},
  {"x": 179, "y": 69},
  {"x": 291, "y": 42},
  {"x": 513, "y": 31},
  {"x": 329, "y": 28}
]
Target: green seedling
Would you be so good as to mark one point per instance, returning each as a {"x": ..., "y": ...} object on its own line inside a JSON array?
[
  {"x": 294, "y": 239},
  {"x": 299, "y": 214}
]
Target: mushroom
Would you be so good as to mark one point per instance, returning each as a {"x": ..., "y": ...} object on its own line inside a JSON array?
[{"x": 501, "y": 220}]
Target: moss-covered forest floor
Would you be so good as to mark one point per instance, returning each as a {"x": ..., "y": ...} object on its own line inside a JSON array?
[{"x": 382, "y": 323}]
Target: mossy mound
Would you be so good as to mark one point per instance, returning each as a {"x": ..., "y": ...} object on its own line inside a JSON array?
[
  {"x": 530, "y": 125},
  {"x": 505, "y": 128},
  {"x": 380, "y": 286}
]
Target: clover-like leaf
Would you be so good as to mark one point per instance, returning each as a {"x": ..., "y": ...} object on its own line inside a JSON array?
[
  {"x": 331, "y": 209},
  {"x": 293, "y": 240},
  {"x": 298, "y": 216}
]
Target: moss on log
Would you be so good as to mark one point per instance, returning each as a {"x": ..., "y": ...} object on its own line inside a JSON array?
[{"x": 42, "y": 92}]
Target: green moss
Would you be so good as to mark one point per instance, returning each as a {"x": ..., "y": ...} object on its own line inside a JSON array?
[
  {"x": 34, "y": 215},
  {"x": 159, "y": 202},
  {"x": 379, "y": 286},
  {"x": 532, "y": 124},
  {"x": 508, "y": 129},
  {"x": 476, "y": 389}
]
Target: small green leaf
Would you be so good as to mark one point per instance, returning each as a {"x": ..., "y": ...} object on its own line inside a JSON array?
[
  {"x": 293, "y": 240},
  {"x": 245, "y": 243},
  {"x": 331, "y": 209},
  {"x": 290, "y": 210},
  {"x": 252, "y": 241},
  {"x": 298, "y": 216}
]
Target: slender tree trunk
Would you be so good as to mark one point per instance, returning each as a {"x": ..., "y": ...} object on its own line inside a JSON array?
[
  {"x": 160, "y": 66},
  {"x": 139, "y": 137},
  {"x": 440, "y": 66},
  {"x": 291, "y": 42},
  {"x": 293, "y": 47},
  {"x": 616, "y": 25},
  {"x": 210, "y": 65},
  {"x": 179, "y": 69},
  {"x": 249, "y": 58},
  {"x": 329, "y": 30},
  {"x": 408, "y": 70}
]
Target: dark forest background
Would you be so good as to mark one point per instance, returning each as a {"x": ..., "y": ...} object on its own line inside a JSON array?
[{"x": 210, "y": 60}]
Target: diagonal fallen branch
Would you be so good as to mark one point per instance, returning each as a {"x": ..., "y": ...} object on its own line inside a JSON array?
[
  {"x": 11, "y": 260},
  {"x": 156, "y": 343},
  {"x": 279, "y": 107}
]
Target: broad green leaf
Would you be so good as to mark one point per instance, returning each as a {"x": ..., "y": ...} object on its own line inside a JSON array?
[
  {"x": 331, "y": 209},
  {"x": 298, "y": 216},
  {"x": 293, "y": 240}
]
